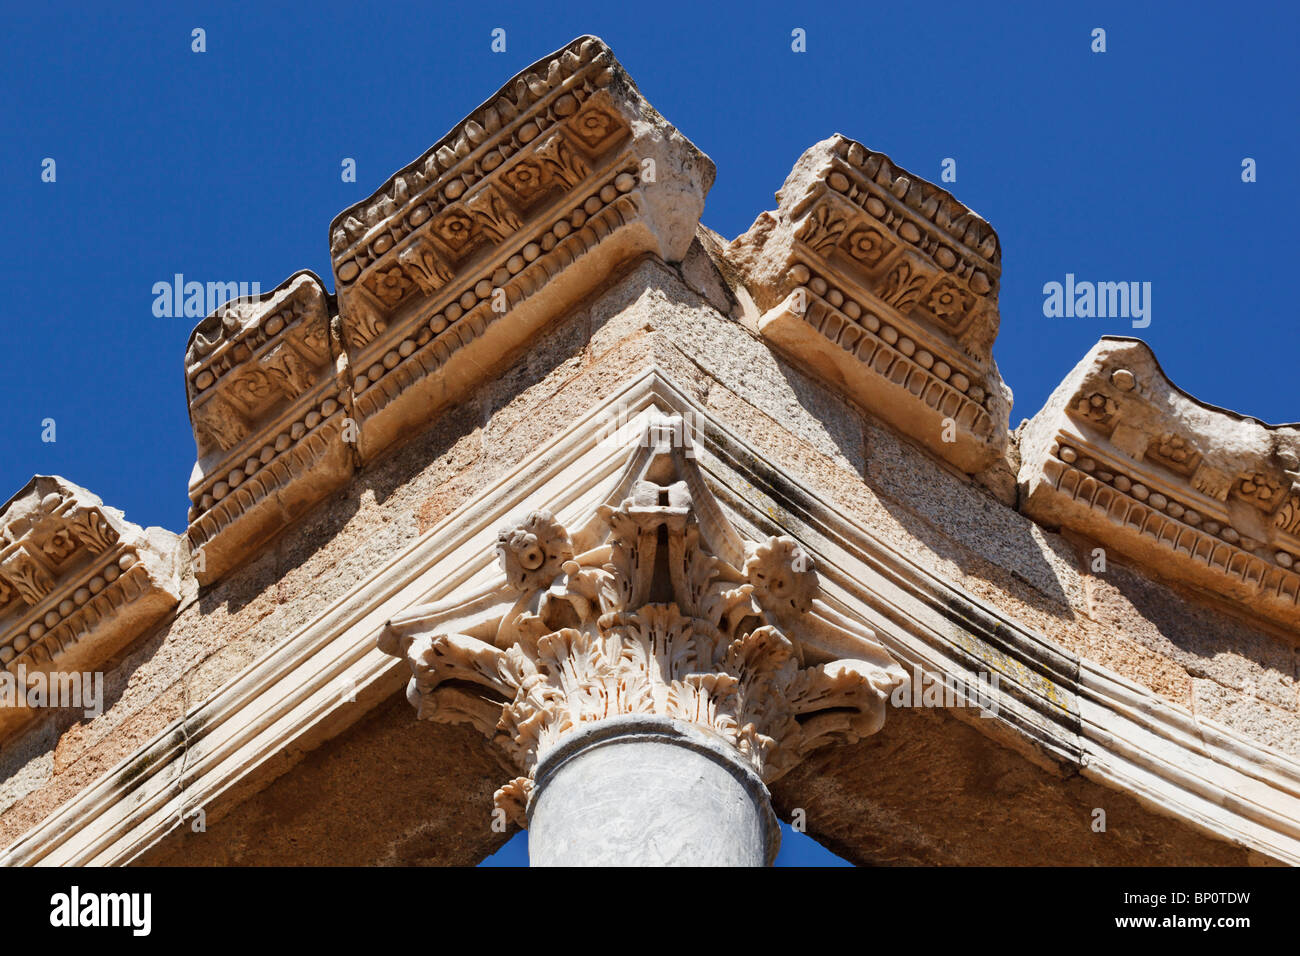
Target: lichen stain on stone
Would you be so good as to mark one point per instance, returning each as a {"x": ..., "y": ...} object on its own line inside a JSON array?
[
  {"x": 776, "y": 500},
  {"x": 133, "y": 771},
  {"x": 776, "y": 514},
  {"x": 1016, "y": 671}
]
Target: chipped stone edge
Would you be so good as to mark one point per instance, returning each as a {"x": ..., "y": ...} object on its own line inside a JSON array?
[
  {"x": 1063, "y": 482},
  {"x": 143, "y": 588}
]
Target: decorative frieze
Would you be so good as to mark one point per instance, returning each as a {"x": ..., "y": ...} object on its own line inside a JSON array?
[
  {"x": 525, "y": 207},
  {"x": 270, "y": 420},
  {"x": 639, "y": 612},
  {"x": 887, "y": 286},
  {"x": 1192, "y": 492},
  {"x": 77, "y": 581}
]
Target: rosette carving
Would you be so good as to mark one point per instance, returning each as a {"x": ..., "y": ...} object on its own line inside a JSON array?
[{"x": 533, "y": 552}]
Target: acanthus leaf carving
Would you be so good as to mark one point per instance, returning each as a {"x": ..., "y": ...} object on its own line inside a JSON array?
[
  {"x": 218, "y": 422},
  {"x": 822, "y": 229},
  {"x": 651, "y": 620},
  {"x": 1212, "y": 481},
  {"x": 92, "y": 529},
  {"x": 492, "y": 215},
  {"x": 424, "y": 267},
  {"x": 561, "y": 162},
  {"x": 27, "y": 575},
  {"x": 366, "y": 320},
  {"x": 288, "y": 370},
  {"x": 903, "y": 286},
  {"x": 1288, "y": 516}
]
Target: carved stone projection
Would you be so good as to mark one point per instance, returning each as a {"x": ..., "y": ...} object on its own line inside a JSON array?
[
  {"x": 529, "y": 204},
  {"x": 1193, "y": 492},
  {"x": 887, "y": 286},
  {"x": 654, "y": 606},
  {"x": 269, "y": 417},
  {"x": 77, "y": 581}
]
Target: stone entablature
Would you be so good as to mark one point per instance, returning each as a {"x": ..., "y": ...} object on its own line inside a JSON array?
[
  {"x": 77, "y": 581},
  {"x": 529, "y": 204},
  {"x": 1098, "y": 726},
  {"x": 269, "y": 415},
  {"x": 1191, "y": 492},
  {"x": 888, "y": 287}
]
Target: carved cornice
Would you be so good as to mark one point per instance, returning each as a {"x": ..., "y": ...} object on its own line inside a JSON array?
[
  {"x": 1189, "y": 491},
  {"x": 77, "y": 582},
  {"x": 524, "y": 207},
  {"x": 887, "y": 285},
  {"x": 268, "y": 412},
  {"x": 644, "y": 617}
]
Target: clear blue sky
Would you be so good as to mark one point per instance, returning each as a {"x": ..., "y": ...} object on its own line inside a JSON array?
[
  {"x": 797, "y": 849},
  {"x": 1124, "y": 165}
]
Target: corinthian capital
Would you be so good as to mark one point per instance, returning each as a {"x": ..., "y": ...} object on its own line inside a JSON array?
[{"x": 649, "y": 621}]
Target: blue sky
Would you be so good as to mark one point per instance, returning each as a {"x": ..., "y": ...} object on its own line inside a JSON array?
[
  {"x": 225, "y": 166},
  {"x": 797, "y": 849}
]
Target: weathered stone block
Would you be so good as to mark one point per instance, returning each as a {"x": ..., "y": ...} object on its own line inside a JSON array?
[
  {"x": 528, "y": 205},
  {"x": 270, "y": 420},
  {"x": 1191, "y": 492},
  {"x": 887, "y": 287},
  {"x": 77, "y": 582}
]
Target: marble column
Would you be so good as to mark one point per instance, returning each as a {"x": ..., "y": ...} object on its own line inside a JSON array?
[{"x": 649, "y": 791}]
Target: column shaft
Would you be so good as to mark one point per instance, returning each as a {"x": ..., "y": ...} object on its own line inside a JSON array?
[{"x": 649, "y": 791}]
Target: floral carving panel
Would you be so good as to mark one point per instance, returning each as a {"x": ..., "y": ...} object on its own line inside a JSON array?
[
  {"x": 887, "y": 286},
  {"x": 269, "y": 416},
  {"x": 542, "y": 188},
  {"x": 77, "y": 582},
  {"x": 1192, "y": 493}
]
